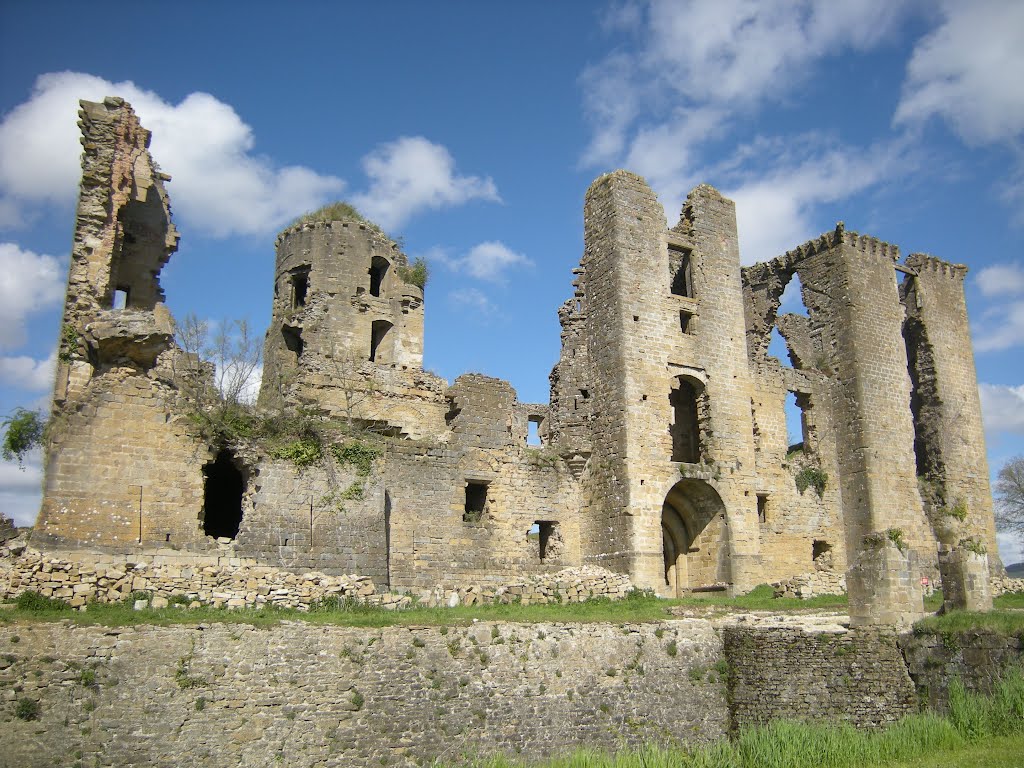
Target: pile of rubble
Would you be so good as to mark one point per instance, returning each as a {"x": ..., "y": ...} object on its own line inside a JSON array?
[
  {"x": 79, "y": 582},
  {"x": 807, "y": 585}
]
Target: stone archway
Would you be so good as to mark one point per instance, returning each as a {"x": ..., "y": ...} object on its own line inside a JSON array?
[{"x": 694, "y": 543}]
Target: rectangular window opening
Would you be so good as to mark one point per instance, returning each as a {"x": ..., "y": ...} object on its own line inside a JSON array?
[
  {"x": 684, "y": 320},
  {"x": 681, "y": 271},
  {"x": 476, "y": 501},
  {"x": 120, "y": 298},
  {"x": 549, "y": 538},
  {"x": 300, "y": 287},
  {"x": 533, "y": 431}
]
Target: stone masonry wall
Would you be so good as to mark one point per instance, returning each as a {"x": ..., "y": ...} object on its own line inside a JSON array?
[
  {"x": 302, "y": 695},
  {"x": 977, "y": 658},
  {"x": 855, "y": 677}
]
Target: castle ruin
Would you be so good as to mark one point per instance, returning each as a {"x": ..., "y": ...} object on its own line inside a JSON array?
[{"x": 664, "y": 451}]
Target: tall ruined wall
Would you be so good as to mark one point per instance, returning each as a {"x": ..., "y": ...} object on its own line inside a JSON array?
[
  {"x": 301, "y": 695},
  {"x": 121, "y": 466},
  {"x": 950, "y": 436},
  {"x": 346, "y": 331}
]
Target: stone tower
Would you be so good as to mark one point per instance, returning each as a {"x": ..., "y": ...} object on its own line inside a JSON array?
[
  {"x": 671, "y": 477},
  {"x": 346, "y": 331}
]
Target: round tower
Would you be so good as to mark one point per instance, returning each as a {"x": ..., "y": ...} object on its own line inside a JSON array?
[{"x": 347, "y": 316}]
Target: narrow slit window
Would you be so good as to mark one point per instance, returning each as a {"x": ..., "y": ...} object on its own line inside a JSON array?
[{"x": 762, "y": 508}]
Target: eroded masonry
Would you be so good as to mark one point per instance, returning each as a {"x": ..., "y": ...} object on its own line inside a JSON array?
[{"x": 664, "y": 451}]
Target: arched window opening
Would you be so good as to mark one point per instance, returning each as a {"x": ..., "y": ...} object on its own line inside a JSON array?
[
  {"x": 378, "y": 332},
  {"x": 681, "y": 270},
  {"x": 222, "y": 497},
  {"x": 685, "y": 426},
  {"x": 378, "y": 268}
]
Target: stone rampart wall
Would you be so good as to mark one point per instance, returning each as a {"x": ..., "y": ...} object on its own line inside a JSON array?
[
  {"x": 303, "y": 695},
  {"x": 977, "y": 658},
  {"x": 857, "y": 677}
]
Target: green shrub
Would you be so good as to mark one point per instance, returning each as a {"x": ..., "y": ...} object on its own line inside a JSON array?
[
  {"x": 27, "y": 709},
  {"x": 357, "y": 699},
  {"x": 811, "y": 477},
  {"x": 359, "y": 454},
  {"x": 336, "y": 211},
  {"x": 24, "y": 431},
  {"x": 36, "y": 603},
  {"x": 417, "y": 273},
  {"x": 303, "y": 452}
]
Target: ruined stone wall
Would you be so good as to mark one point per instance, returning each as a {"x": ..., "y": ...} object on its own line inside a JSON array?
[
  {"x": 948, "y": 421},
  {"x": 795, "y": 525},
  {"x": 464, "y": 510},
  {"x": 306, "y": 695},
  {"x": 853, "y": 677},
  {"x": 124, "y": 457}
]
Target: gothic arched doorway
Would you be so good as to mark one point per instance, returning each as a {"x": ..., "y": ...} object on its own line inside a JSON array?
[{"x": 693, "y": 537}]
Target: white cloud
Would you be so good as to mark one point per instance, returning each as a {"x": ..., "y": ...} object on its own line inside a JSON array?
[
  {"x": 1001, "y": 325},
  {"x": 1002, "y": 408},
  {"x": 717, "y": 57},
  {"x": 29, "y": 282},
  {"x": 28, "y": 373},
  {"x": 1011, "y": 548},
  {"x": 412, "y": 174},
  {"x": 485, "y": 261},
  {"x": 773, "y": 208},
  {"x": 219, "y": 184},
  {"x": 1001, "y": 280},
  {"x": 472, "y": 299},
  {"x": 21, "y": 489},
  {"x": 969, "y": 72}
]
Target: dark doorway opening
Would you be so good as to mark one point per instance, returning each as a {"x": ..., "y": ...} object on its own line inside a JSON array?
[{"x": 222, "y": 496}]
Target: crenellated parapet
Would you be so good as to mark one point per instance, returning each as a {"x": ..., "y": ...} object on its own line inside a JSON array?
[{"x": 922, "y": 263}]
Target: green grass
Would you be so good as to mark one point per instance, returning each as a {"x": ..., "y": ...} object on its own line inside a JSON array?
[
  {"x": 980, "y": 731},
  {"x": 638, "y": 607},
  {"x": 338, "y": 211},
  {"x": 1001, "y": 621}
]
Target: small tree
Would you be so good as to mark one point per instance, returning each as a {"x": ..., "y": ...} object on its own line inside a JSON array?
[
  {"x": 234, "y": 352},
  {"x": 23, "y": 431},
  {"x": 1010, "y": 497}
]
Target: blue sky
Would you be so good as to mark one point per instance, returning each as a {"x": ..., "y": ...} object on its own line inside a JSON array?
[{"x": 472, "y": 130}]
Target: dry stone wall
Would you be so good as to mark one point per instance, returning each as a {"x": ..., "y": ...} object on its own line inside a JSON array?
[
  {"x": 856, "y": 677},
  {"x": 301, "y": 695}
]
